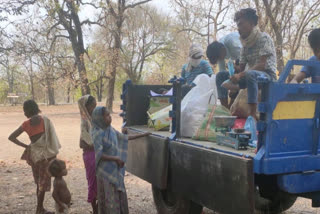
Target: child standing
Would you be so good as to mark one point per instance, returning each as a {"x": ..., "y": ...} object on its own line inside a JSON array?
[
  {"x": 111, "y": 149},
  {"x": 61, "y": 193},
  {"x": 43, "y": 148},
  {"x": 308, "y": 71}
]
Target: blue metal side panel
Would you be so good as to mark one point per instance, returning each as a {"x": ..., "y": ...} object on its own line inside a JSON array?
[
  {"x": 291, "y": 138},
  {"x": 288, "y": 145},
  {"x": 300, "y": 183}
]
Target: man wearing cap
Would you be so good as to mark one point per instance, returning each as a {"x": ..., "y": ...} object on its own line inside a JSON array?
[{"x": 196, "y": 65}]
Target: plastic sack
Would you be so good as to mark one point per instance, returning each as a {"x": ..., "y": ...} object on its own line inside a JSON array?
[
  {"x": 195, "y": 104},
  {"x": 251, "y": 127},
  {"x": 161, "y": 119},
  {"x": 157, "y": 103},
  {"x": 207, "y": 130},
  {"x": 240, "y": 107}
]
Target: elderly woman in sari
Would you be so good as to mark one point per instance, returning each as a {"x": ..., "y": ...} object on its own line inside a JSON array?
[
  {"x": 111, "y": 153},
  {"x": 43, "y": 148},
  {"x": 87, "y": 104}
]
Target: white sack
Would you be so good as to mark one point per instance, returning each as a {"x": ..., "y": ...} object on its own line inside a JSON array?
[{"x": 195, "y": 104}]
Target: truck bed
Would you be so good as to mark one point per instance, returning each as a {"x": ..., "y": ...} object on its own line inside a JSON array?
[{"x": 249, "y": 152}]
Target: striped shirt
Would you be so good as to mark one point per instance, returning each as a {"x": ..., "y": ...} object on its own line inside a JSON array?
[
  {"x": 263, "y": 47},
  {"x": 203, "y": 68}
]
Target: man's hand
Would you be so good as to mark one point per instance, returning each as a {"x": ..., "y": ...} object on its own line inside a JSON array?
[
  {"x": 237, "y": 68},
  {"x": 235, "y": 78}
]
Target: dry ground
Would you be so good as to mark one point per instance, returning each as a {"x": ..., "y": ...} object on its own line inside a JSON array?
[{"x": 17, "y": 190}]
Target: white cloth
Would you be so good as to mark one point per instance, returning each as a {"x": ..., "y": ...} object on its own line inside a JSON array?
[
  {"x": 85, "y": 120},
  {"x": 252, "y": 38},
  {"x": 195, "y": 62},
  {"x": 47, "y": 146},
  {"x": 195, "y": 51}
]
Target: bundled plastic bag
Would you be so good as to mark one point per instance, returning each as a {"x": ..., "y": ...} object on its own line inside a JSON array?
[
  {"x": 157, "y": 103},
  {"x": 160, "y": 120},
  {"x": 240, "y": 107},
  {"x": 207, "y": 130},
  {"x": 195, "y": 104}
]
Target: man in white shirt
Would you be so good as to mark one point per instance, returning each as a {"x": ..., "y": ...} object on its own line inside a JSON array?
[{"x": 228, "y": 47}]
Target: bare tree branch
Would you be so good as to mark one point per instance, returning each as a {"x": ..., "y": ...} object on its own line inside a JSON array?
[
  {"x": 136, "y": 4},
  {"x": 192, "y": 30}
]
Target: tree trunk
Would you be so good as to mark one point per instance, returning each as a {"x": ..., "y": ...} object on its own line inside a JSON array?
[
  {"x": 10, "y": 78},
  {"x": 100, "y": 90},
  {"x": 72, "y": 24},
  {"x": 10, "y": 83},
  {"x": 279, "y": 51},
  {"x": 277, "y": 31},
  {"x": 51, "y": 95},
  {"x": 31, "y": 80},
  {"x": 112, "y": 80},
  {"x": 50, "y": 89},
  {"x": 68, "y": 93},
  {"x": 114, "y": 66},
  {"x": 32, "y": 87},
  {"x": 85, "y": 89}
]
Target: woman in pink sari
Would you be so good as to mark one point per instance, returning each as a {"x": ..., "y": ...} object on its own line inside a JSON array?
[{"x": 87, "y": 104}]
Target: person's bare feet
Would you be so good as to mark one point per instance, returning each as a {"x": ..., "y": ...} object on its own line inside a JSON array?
[{"x": 43, "y": 211}]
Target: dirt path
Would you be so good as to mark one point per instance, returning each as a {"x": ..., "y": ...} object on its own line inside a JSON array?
[{"x": 17, "y": 190}]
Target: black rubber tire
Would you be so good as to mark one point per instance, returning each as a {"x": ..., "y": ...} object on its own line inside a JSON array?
[
  {"x": 279, "y": 203},
  {"x": 175, "y": 205}
]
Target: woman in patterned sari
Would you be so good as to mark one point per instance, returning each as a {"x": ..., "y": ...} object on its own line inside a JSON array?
[{"x": 111, "y": 149}]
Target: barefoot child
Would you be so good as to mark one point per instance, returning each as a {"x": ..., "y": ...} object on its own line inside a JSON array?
[
  {"x": 43, "y": 148},
  {"x": 61, "y": 193},
  {"x": 111, "y": 149}
]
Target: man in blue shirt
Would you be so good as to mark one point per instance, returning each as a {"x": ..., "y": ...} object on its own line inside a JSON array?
[
  {"x": 228, "y": 47},
  {"x": 196, "y": 65},
  {"x": 308, "y": 71}
]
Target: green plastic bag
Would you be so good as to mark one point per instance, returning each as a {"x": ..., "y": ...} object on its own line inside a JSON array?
[
  {"x": 207, "y": 130},
  {"x": 157, "y": 104},
  {"x": 161, "y": 120}
]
